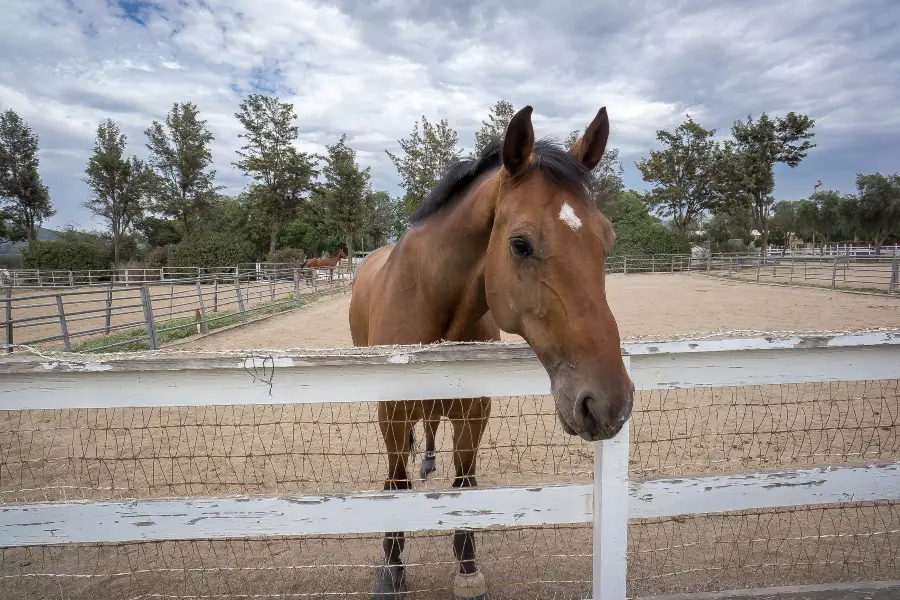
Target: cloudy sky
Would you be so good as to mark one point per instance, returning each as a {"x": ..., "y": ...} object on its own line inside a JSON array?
[{"x": 370, "y": 68}]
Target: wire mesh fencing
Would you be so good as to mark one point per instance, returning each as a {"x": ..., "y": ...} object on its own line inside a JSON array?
[
  {"x": 150, "y": 315},
  {"x": 337, "y": 448}
]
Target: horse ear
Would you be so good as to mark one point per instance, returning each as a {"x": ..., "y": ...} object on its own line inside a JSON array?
[
  {"x": 518, "y": 142},
  {"x": 590, "y": 147}
]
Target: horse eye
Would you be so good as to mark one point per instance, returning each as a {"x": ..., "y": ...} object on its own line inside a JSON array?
[{"x": 520, "y": 247}]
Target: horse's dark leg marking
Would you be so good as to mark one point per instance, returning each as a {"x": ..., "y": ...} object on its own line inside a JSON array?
[
  {"x": 469, "y": 418},
  {"x": 390, "y": 579},
  {"x": 428, "y": 462}
]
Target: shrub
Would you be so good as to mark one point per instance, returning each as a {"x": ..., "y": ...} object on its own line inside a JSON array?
[
  {"x": 648, "y": 237},
  {"x": 157, "y": 258},
  {"x": 292, "y": 256},
  {"x": 68, "y": 254},
  {"x": 211, "y": 249}
]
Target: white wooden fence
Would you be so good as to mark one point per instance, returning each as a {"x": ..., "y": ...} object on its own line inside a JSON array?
[{"x": 170, "y": 379}]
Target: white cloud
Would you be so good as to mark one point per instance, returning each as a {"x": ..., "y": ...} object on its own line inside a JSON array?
[{"x": 371, "y": 69}]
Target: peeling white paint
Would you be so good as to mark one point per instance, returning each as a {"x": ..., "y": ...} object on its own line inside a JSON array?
[
  {"x": 260, "y": 362},
  {"x": 567, "y": 215},
  {"x": 461, "y": 378},
  {"x": 399, "y": 359},
  {"x": 373, "y": 512},
  {"x": 85, "y": 367}
]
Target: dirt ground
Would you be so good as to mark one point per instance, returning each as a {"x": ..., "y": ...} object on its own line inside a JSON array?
[
  {"x": 125, "y": 453},
  {"x": 643, "y": 305}
]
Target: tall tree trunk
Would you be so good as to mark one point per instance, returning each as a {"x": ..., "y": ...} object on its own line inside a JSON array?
[
  {"x": 29, "y": 230},
  {"x": 115, "y": 250},
  {"x": 348, "y": 241},
  {"x": 273, "y": 240}
]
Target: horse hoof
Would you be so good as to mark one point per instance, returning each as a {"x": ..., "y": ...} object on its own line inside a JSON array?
[
  {"x": 427, "y": 467},
  {"x": 390, "y": 582},
  {"x": 470, "y": 586}
]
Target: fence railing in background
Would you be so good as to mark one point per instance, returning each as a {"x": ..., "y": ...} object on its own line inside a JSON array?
[
  {"x": 134, "y": 277},
  {"x": 835, "y": 270},
  {"x": 445, "y": 372},
  {"x": 150, "y": 315},
  {"x": 836, "y": 250}
]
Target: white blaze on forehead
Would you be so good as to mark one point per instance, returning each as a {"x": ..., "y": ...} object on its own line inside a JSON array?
[{"x": 567, "y": 215}]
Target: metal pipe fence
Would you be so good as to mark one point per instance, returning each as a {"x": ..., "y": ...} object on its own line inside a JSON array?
[{"x": 152, "y": 314}]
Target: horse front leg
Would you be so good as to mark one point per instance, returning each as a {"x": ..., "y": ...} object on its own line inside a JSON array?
[
  {"x": 469, "y": 417},
  {"x": 432, "y": 418},
  {"x": 396, "y": 425}
]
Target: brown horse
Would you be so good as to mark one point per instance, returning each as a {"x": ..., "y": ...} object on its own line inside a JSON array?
[
  {"x": 324, "y": 263},
  {"x": 494, "y": 246}
]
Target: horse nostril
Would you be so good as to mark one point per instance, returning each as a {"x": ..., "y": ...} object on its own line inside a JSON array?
[{"x": 587, "y": 411}]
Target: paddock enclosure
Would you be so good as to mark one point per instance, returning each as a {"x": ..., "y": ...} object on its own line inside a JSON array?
[{"x": 752, "y": 460}]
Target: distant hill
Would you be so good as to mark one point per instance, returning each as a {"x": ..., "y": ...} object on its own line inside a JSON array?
[{"x": 43, "y": 235}]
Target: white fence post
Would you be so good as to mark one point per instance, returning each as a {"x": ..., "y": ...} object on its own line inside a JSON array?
[{"x": 610, "y": 560}]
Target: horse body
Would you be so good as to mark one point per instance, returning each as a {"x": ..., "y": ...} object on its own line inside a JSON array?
[
  {"x": 491, "y": 247},
  {"x": 324, "y": 263}
]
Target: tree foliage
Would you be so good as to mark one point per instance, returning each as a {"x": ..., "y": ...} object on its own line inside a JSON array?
[
  {"x": 426, "y": 155},
  {"x": 877, "y": 208},
  {"x": 282, "y": 175},
  {"x": 639, "y": 232},
  {"x": 74, "y": 250},
  {"x": 180, "y": 157},
  {"x": 746, "y": 165},
  {"x": 344, "y": 194},
  {"x": 211, "y": 249},
  {"x": 118, "y": 184},
  {"x": 25, "y": 198},
  {"x": 683, "y": 173}
]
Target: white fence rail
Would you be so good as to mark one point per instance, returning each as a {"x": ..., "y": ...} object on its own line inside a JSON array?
[{"x": 175, "y": 379}]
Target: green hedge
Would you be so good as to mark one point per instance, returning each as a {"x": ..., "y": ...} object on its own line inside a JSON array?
[
  {"x": 211, "y": 249},
  {"x": 67, "y": 255},
  {"x": 648, "y": 238}
]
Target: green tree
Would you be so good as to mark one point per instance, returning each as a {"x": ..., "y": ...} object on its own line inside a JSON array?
[
  {"x": 180, "y": 157},
  {"x": 639, "y": 232},
  {"x": 747, "y": 162},
  {"x": 380, "y": 225},
  {"x": 345, "y": 194},
  {"x": 604, "y": 183},
  {"x": 878, "y": 206},
  {"x": 784, "y": 222},
  {"x": 118, "y": 184},
  {"x": 282, "y": 175},
  {"x": 426, "y": 155},
  {"x": 26, "y": 198},
  {"x": 495, "y": 127},
  {"x": 158, "y": 231},
  {"x": 682, "y": 174}
]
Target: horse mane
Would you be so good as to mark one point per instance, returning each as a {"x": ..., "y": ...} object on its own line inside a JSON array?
[{"x": 548, "y": 156}]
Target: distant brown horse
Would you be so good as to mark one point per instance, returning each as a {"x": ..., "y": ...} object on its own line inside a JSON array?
[
  {"x": 324, "y": 263},
  {"x": 511, "y": 240}
]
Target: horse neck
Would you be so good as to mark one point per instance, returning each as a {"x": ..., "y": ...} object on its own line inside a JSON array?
[{"x": 453, "y": 280}]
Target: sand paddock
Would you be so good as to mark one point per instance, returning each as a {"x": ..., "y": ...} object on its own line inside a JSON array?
[{"x": 126, "y": 453}]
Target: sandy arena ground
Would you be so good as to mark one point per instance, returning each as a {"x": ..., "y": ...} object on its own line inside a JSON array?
[
  {"x": 53, "y": 455},
  {"x": 644, "y": 305}
]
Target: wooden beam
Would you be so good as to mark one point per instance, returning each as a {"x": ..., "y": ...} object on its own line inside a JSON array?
[
  {"x": 375, "y": 512},
  {"x": 445, "y": 372}
]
